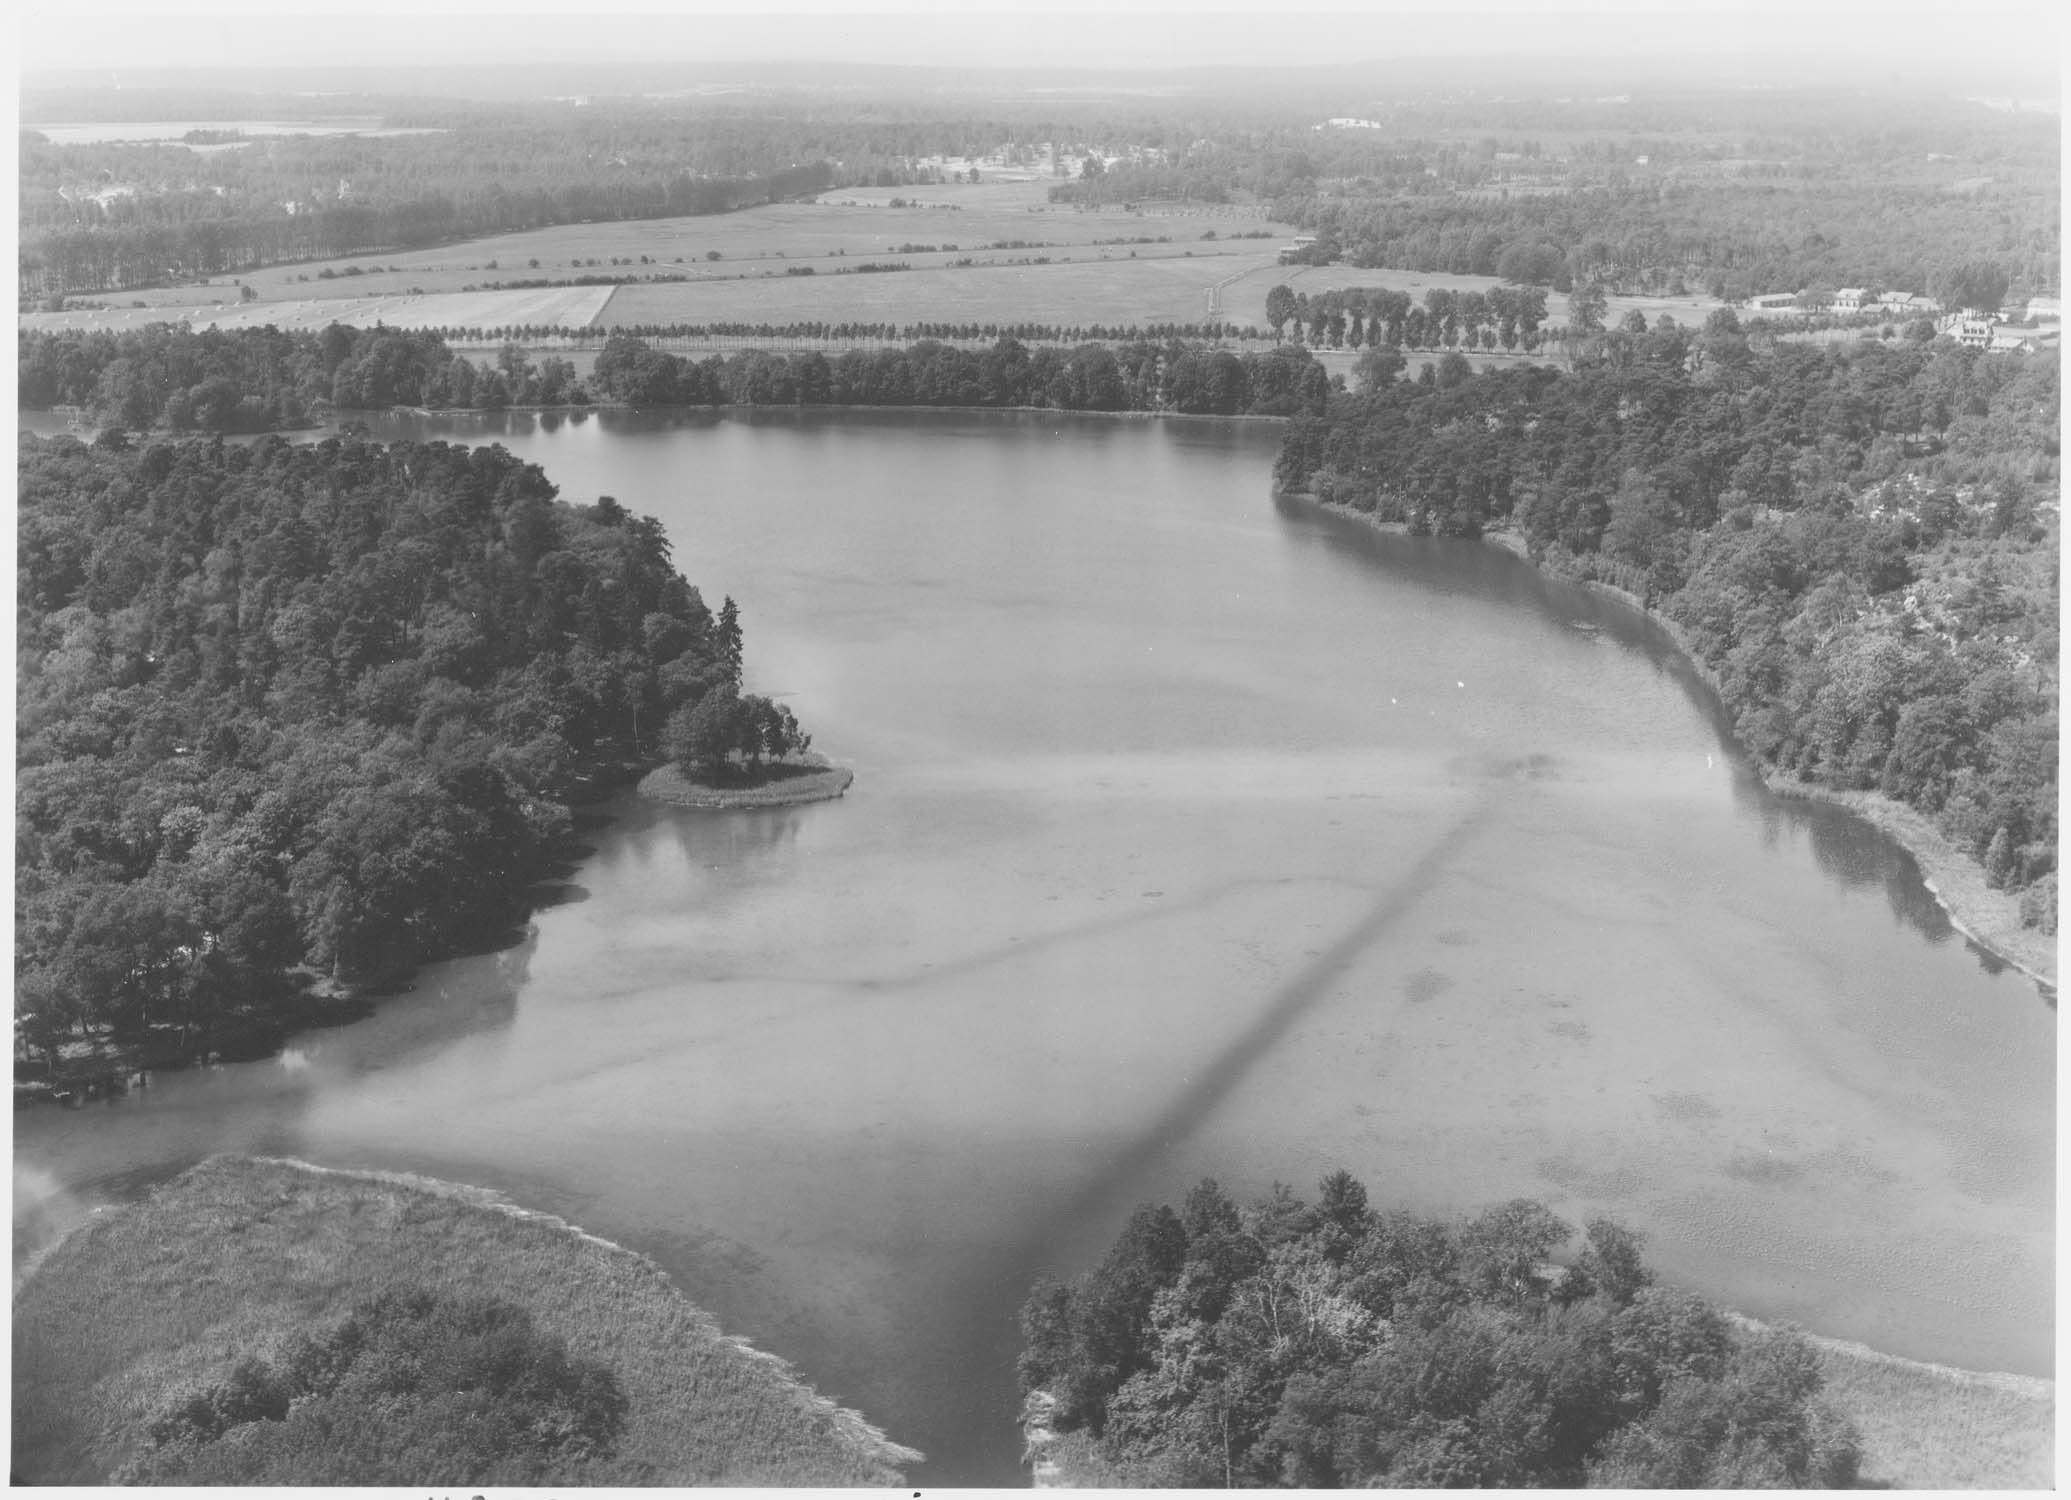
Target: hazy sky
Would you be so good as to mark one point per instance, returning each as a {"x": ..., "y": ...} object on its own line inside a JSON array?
[{"x": 1009, "y": 33}]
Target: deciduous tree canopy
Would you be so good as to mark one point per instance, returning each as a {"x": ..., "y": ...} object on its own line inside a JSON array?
[
  {"x": 320, "y": 704},
  {"x": 1330, "y": 1344}
]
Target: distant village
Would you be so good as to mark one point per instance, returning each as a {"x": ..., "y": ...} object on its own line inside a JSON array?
[{"x": 2015, "y": 329}]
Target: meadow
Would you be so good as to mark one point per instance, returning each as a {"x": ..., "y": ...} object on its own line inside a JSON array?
[
  {"x": 1926, "y": 1427},
  {"x": 736, "y": 267},
  {"x": 561, "y": 307},
  {"x": 1098, "y": 286},
  {"x": 146, "y": 1303},
  {"x": 850, "y": 223}
]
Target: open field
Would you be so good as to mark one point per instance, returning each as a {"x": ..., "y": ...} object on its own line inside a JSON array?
[
  {"x": 1925, "y": 1427},
  {"x": 853, "y": 223},
  {"x": 564, "y": 307},
  {"x": 1097, "y": 286},
  {"x": 150, "y": 1301}
]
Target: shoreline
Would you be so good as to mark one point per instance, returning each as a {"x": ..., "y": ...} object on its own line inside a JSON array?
[
  {"x": 1987, "y": 919},
  {"x": 707, "y": 1404},
  {"x": 345, "y": 416},
  {"x": 822, "y": 781}
]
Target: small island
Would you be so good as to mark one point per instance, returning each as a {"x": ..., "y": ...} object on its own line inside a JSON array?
[
  {"x": 778, "y": 783},
  {"x": 729, "y": 749}
]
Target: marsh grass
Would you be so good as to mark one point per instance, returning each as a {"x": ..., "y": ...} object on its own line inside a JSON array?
[
  {"x": 1928, "y": 1427},
  {"x": 775, "y": 784},
  {"x": 147, "y": 1302}
]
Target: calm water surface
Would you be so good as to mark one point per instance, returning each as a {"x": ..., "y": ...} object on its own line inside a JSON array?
[{"x": 1191, "y": 834}]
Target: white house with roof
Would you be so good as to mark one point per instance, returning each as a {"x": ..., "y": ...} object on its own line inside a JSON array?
[
  {"x": 1850, "y": 299},
  {"x": 2023, "y": 340},
  {"x": 1969, "y": 330},
  {"x": 2046, "y": 309}
]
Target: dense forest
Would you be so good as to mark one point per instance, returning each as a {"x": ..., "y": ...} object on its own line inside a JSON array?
[
  {"x": 169, "y": 376},
  {"x": 1333, "y": 1344},
  {"x": 289, "y": 712},
  {"x": 1664, "y": 193},
  {"x": 1858, "y": 541}
]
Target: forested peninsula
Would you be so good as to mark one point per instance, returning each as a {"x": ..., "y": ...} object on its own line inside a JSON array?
[
  {"x": 1858, "y": 543},
  {"x": 1337, "y": 1343},
  {"x": 294, "y": 717}
]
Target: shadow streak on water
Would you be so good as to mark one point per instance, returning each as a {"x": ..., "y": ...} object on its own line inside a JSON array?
[
  {"x": 978, "y": 1445},
  {"x": 1846, "y": 847},
  {"x": 1098, "y": 1196}
]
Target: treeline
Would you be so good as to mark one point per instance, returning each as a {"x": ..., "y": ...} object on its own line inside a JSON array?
[
  {"x": 1135, "y": 376},
  {"x": 81, "y": 244},
  {"x": 1502, "y": 317},
  {"x": 1661, "y": 193},
  {"x": 166, "y": 375},
  {"x": 819, "y": 328},
  {"x": 1859, "y": 542},
  {"x": 308, "y": 710},
  {"x": 1734, "y": 239},
  {"x": 1332, "y": 1344}
]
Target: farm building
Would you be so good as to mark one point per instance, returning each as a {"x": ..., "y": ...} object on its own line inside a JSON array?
[
  {"x": 1850, "y": 299},
  {"x": 1975, "y": 333},
  {"x": 1301, "y": 243},
  {"x": 1774, "y": 301},
  {"x": 2021, "y": 341},
  {"x": 2046, "y": 309}
]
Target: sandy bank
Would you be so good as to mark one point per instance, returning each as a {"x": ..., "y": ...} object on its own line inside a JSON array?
[
  {"x": 804, "y": 779},
  {"x": 1989, "y": 918}
]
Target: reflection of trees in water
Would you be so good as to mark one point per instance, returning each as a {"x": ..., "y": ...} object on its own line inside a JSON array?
[
  {"x": 465, "y": 998},
  {"x": 1844, "y": 846},
  {"x": 733, "y": 839}
]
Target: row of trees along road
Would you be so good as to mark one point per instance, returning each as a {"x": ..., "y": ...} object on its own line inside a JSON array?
[{"x": 286, "y": 710}]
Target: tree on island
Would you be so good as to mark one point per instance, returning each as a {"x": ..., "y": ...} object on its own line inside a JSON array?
[{"x": 724, "y": 728}]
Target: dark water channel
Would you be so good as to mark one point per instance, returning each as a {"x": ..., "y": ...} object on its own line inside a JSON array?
[{"x": 1191, "y": 834}]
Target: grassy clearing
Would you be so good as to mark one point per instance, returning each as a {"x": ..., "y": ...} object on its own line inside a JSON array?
[
  {"x": 1927, "y": 1427},
  {"x": 227, "y": 1260}
]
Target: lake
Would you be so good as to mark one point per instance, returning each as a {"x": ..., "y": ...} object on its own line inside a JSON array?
[{"x": 1194, "y": 833}]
